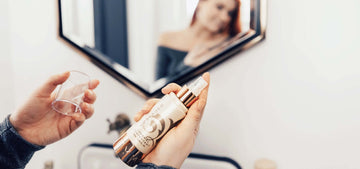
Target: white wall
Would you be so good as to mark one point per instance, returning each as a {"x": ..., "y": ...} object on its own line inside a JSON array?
[
  {"x": 292, "y": 98},
  {"x": 295, "y": 96},
  {"x": 6, "y": 84}
]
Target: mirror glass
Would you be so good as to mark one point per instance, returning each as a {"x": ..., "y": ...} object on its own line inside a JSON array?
[{"x": 148, "y": 43}]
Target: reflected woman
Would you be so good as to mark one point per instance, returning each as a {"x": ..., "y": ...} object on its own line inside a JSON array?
[{"x": 213, "y": 23}]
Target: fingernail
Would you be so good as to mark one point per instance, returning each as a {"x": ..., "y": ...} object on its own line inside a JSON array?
[
  {"x": 66, "y": 73},
  {"x": 90, "y": 92},
  {"x": 136, "y": 117},
  {"x": 79, "y": 117}
]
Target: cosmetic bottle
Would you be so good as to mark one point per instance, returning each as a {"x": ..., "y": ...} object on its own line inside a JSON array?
[{"x": 143, "y": 136}]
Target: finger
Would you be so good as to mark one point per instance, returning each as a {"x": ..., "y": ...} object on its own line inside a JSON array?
[
  {"x": 87, "y": 110},
  {"x": 146, "y": 109},
  {"x": 172, "y": 87},
  {"x": 201, "y": 102},
  {"x": 79, "y": 118},
  {"x": 89, "y": 96},
  {"x": 93, "y": 84},
  {"x": 195, "y": 113},
  {"x": 51, "y": 84}
]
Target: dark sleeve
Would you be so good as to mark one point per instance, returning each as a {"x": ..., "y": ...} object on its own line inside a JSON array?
[
  {"x": 152, "y": 166},
  {"x": 181, "y": 68},
  {"x": 15, "y": 152},
  {"x": 162, "y": 62}
]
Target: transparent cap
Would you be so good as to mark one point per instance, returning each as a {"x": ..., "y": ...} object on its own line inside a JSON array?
[{"x": 197, "y": 86}]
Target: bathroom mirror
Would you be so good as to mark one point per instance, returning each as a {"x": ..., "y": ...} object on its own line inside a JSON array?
[{"x": 146, "y": 44}]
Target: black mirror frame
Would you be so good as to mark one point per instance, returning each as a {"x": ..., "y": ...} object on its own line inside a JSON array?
[
  {"x": 252, "y": 37},
  {"x": 192, "y": 155}
]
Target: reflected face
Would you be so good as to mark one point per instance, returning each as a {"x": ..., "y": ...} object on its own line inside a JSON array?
[{"x": 215, "y": 15}]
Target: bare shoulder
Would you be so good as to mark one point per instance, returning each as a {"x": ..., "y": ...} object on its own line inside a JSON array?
[{"x": 170, "y": 39}]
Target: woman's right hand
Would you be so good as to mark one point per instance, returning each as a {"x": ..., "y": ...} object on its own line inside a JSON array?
[{"x": 177, "y": 144}]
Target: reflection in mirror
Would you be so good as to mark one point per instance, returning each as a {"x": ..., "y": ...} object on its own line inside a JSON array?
[
  {"x": 148, "y": 43},
  {"x": 212, "y": 24}
]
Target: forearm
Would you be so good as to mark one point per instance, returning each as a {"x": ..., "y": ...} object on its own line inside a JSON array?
[{"x": 15, "y": 152}]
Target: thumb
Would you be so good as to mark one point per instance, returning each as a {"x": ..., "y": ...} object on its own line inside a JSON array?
[{"x": 51, "y": 84}]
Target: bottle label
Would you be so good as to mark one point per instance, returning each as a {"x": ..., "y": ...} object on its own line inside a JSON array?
[{"x": 153, "y": 126}]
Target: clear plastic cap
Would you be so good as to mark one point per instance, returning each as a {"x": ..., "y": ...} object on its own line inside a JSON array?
[{"x": 197, "y": 86}]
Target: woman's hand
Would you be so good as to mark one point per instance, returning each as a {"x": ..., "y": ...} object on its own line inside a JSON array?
[
  {"x": 39, "y": 124},
  {"x": 177, "y": 144}
]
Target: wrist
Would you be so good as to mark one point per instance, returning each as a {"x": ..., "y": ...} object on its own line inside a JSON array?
[
  {"x": 171, "y": 161},
  {"x": 13, "y": 122},
  {"x": 22, "y": 132},
  {"x": 21, "y": 136}
]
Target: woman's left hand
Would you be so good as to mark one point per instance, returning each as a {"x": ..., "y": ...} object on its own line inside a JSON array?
[{"x": 39, "y": 124}]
